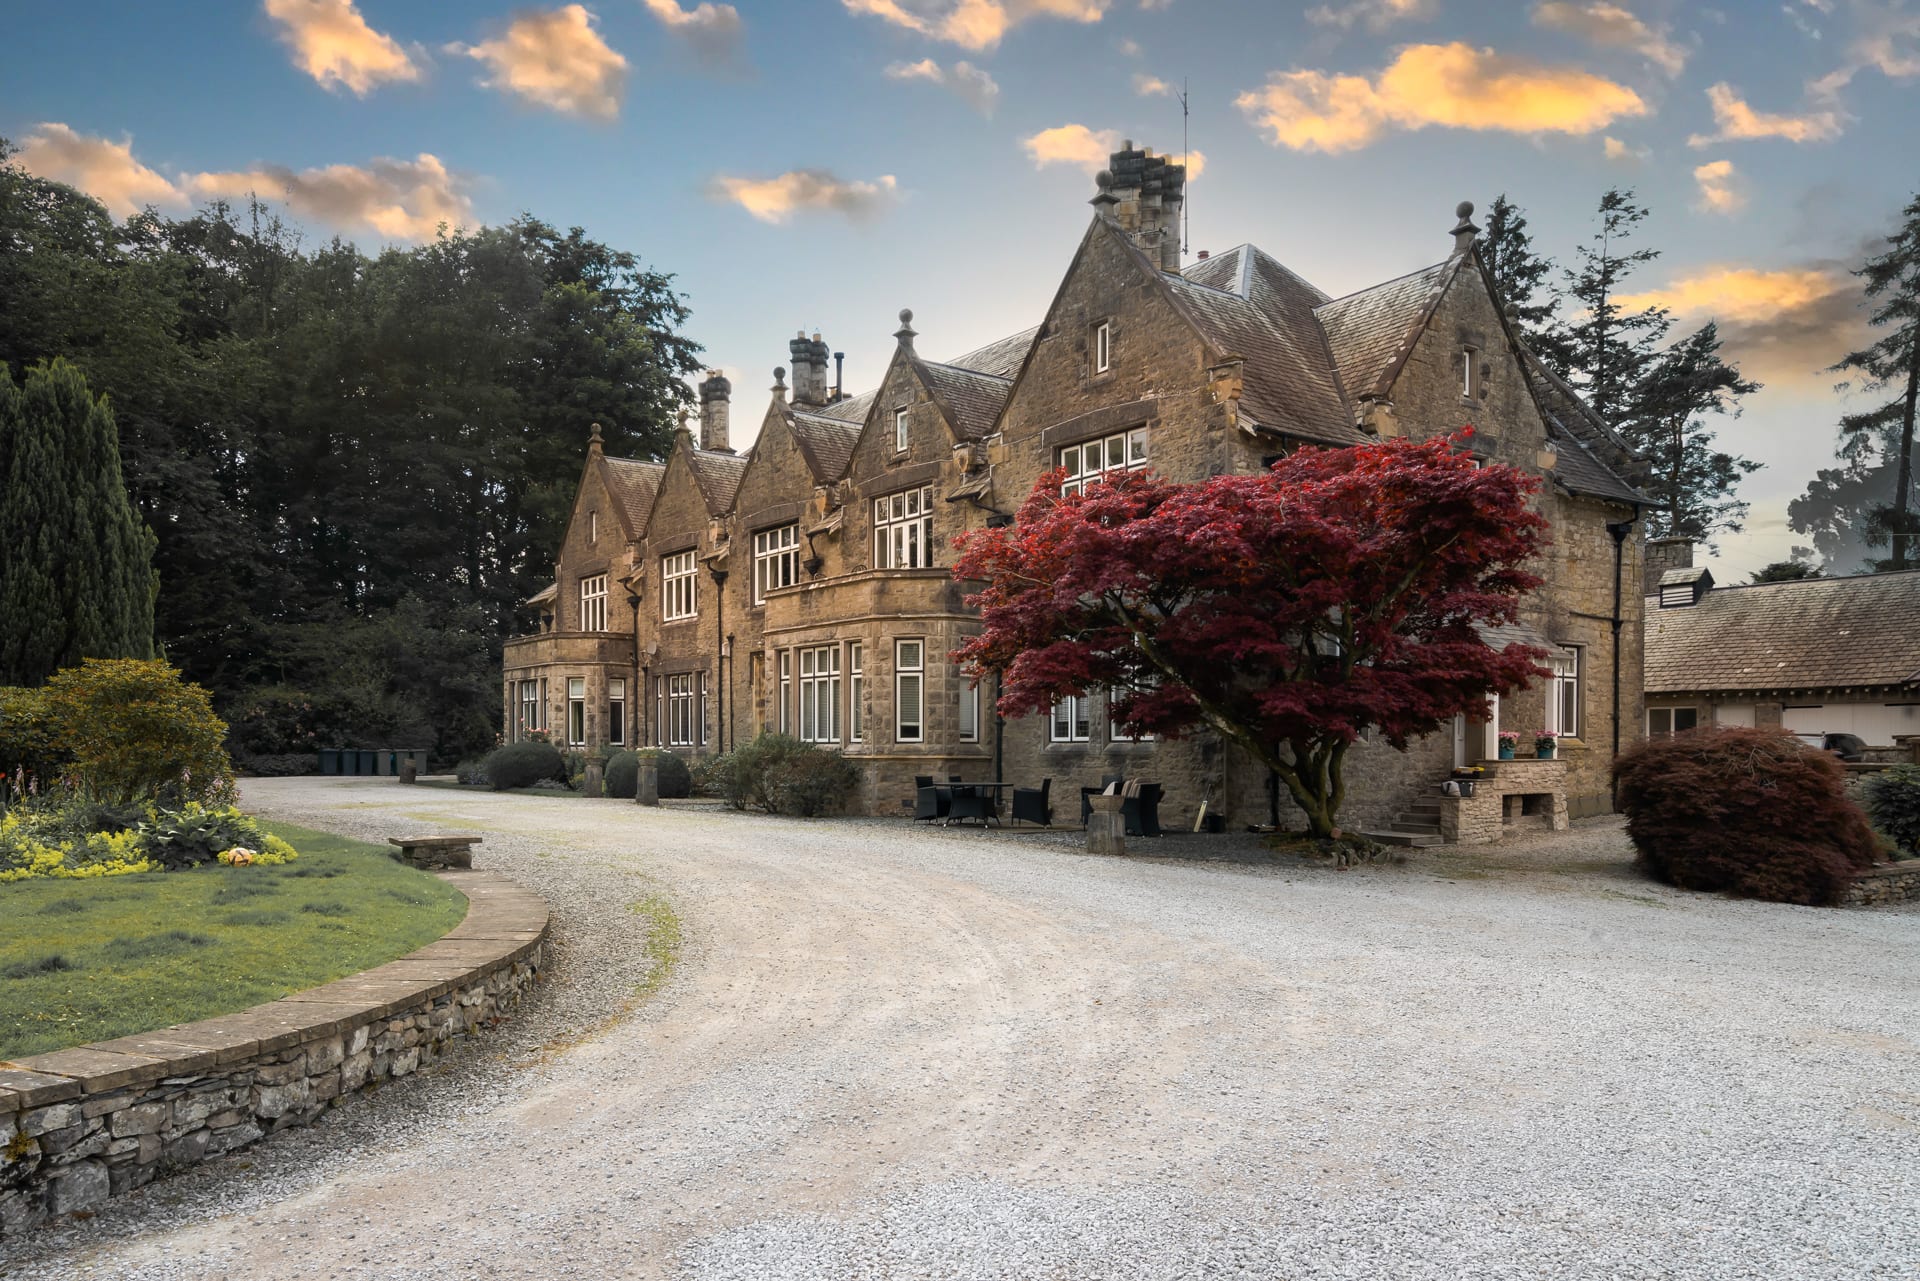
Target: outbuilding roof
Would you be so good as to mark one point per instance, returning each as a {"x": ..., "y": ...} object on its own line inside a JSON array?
[{"x": 1808, "y": 634}]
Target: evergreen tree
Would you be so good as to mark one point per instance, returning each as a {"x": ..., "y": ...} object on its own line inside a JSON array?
[
  {"x": 77, "y": 577},
  {"x": 1890, "y": 364},
  {"x": 1836, "y": 510},
  {"x": 1692, "y": 482},
  {"x": 1607, "y": 349},
  {"x": 1785, "y": 571},
  {"x": 1522, "y": 280}
]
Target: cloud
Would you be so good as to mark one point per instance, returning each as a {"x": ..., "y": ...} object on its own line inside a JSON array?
[
  {"x": 968, "y": 82},
  {"x": 332, "y": 43},
  {"x": 1610, "y": 26},
  {"x": 713, "y": 31},
  {"x": 1090, "y": 149},
  {"x": 554, "y": 59},
  {"x": 1375, "y": 15},
  {"x": 400, "y": 199},
  {"x": 1196, "y": 164},
  {"x": 974, "y": 24},
  {"x": 799, "y": 190},
  {"x": 1784, "y": 326},
  {"x": 104, "y": 170},
  {"x": 1453, "y": 85},
  {"x": 1151, "y": 86},
  {"x": 1889, "y": 44},
  {"x": 1620, "y": 152},
  {"x": 1129, "y": 48},
  {"x": 1739, "y": 121},
  {"x": 1718, "y": 194}
]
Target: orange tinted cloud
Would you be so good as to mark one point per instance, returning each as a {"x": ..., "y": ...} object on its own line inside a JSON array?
[
  {"x": 400, "y": 199},
  {"x": 1375, "y": 15},
  {"x": 554, "y": 59},
  {"x": 1739, "y": 121},
  {"x": 777, "y": 199},
  {"x": 104, "y": 170},
  {"x": 1718, "y": 194},
  {"x": 713, "y": 31},
  {"x": 1784, "y": 326},
  {"x": 1610, "y": 26},
  {"x": 1073, "y": 145},
  {"x": 332, "y": 43},
  {"x": 964, "y": 80},
  {"x": 1452, "y": 85},
  {"x": 974, "y": 24}
]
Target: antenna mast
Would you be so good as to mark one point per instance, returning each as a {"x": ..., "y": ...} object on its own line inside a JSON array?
[{"x": 1186, "y": 200}]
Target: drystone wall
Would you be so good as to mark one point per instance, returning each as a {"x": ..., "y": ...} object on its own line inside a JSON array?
[
  {"x": 1887, "y": 883},
  {"x": 79, "y": 1126}
]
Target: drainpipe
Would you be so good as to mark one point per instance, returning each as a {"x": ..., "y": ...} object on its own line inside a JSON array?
[
  {"x": 719, "y": 666},
  {"x": 726, "y": 679},
  {"x": 1619, "y": 529},
  {"x": 999, "y": 735},
  {"x": 636, "y": 700}
]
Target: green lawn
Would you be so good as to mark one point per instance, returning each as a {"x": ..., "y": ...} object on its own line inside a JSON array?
[{"x": 87, "y": 960}]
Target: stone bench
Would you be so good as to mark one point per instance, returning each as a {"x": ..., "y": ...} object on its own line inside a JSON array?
[{"x": 436, "y": 851}]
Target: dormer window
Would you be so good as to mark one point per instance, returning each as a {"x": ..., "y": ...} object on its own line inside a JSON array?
[
  {"x": 1470, "y": 373},
  {"x": 899, "y": 431},
  {"x": 1102, "y": 347}
]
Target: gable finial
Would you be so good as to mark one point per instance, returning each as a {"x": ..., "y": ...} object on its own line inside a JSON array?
[
  {"x": 1464, "y": 231},
  {"x": 780, "y": 383},
  {"x": 1104, "y": 198},
  {"x": 594, "y": 440},
  {"x": 906, "y": 331}
]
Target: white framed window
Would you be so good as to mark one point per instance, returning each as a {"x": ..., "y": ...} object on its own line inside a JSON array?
[
  {"x": 679, "y": 583},
  {"x": 969, "y": 711},
  {"x": 785, "y": 690},
  {"x": 1664, "y": 722},
  {"x": 820, "y": 694},
  {"x": 1094, "y": 460},
  {"x": 1116, "y": 735},
  {"x": 903, "y": 529},
  {"x": 909, "y": 690},
  {"x": 617, "y": 711},
  {"x": 659, "y": 711},
  {"x": 576, "y": 711},
  {"x": 899, "y": 431},
  {"x": 1071, "y": 720},
  {"x": 855, "y": 719},
  {"x": 593, "y": 603},
  {"x": 593, "y": 527},
  {"x": 1563, "y": 692},
  {"x": 530, "y": 717},
  {"x": 700, "y": 710},
  {"x": 1470, "y": 372},
  {"x": 1103, "y": 347},
  {"x": 680, "y": 710},
  {"x": 776, "y": 560}
]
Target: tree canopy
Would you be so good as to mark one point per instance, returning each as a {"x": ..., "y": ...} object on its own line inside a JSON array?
[{"x": 1289, "y": 611}]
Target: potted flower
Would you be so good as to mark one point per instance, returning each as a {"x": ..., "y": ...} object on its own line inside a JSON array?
[
  {"x": 1544, "y": 744},
  {"x": 1509, "y": 740}
]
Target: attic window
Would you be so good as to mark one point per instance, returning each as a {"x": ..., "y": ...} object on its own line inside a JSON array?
[
  {"x": 1470, "y": 373},
  {"x": 900, "y": 431},
  {"x": 1103, "y": 347},
  {"x": 593, "y": 527}
]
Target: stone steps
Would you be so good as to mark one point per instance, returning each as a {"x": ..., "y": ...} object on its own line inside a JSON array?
[{"x": 1414, "y": 839}]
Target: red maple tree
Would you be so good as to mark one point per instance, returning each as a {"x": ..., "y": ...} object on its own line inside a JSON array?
[{"x": 1288, "y": 611}]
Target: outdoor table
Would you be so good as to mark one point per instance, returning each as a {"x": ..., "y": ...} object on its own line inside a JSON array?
[{"x": 994, "y": 788}]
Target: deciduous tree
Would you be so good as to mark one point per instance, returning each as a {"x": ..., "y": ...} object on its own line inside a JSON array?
[{"x": 1286, "y": 611}]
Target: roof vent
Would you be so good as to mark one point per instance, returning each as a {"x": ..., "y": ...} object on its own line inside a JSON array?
[{"x": 1683, "y": 588}]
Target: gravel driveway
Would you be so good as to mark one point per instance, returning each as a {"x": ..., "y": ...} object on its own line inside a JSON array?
[{"x": 888, "y": 1052}]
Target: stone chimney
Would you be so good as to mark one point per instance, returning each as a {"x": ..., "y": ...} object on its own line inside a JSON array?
[
  {"x": 810, "y": 360},
  {"x": 1664, "y": 554},
  {"x": 1464, "y": 232},
  {"x": 716, "y": 409},
  {"x": 1144, "y": 193}
]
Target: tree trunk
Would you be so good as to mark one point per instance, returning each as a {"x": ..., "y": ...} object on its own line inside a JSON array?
[{"x": 1903, "y": 486}]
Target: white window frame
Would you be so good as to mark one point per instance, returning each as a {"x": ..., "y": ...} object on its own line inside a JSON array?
[
  {"x": 593, "y": 603},
  {"x": 593, "y": 527},
  {"x": 1091, "y": 461},
  {"x": 1103, "y": 347},
  {"x": 679, "y": 586},
  {"x": 820, "y": 694},
  {"x": 1113, "y": 728},
  {"x": 576, "y": 711},
  {"x": 903, "y": 529},
  {"x": 1071, "y": 720},
  {"x": 910, "y": 672},
  {"x": 700, "y": 708},
  {"x": 679, "y": 709},
  {"x": 530, "y": 717},
  {"x": 1563, "y": 692},
  {"x": 785, "y": 691},
  {"x": 1670, "y": 714},
  {"x": 856, "y": 721},
  {"x": 1469, "y": 373},
  {"x": 969, "y": 731},
  {"x": 776, "y": 560},
  {"x": 617, "y": 711},
  {"x": 900, "y": 437}
]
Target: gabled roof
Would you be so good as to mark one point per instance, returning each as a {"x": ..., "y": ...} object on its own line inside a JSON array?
[
  {"x": 1814, "y": 633},
  {"x": 853, "y": 409},
  {"x": 633, "y": 484},
  {"x": 1246, "y": 304},
  {"x": 825, "y": 441},
  {"x": 1599, "y": 454},
  {"x": 1371, "y": 333},
  {"x": 1002, "y": 359},
  {"x": 970, "y": 400},
  {"x": 718, "y": 476}
]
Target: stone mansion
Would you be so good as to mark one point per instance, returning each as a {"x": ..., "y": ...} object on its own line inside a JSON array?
[{"x": 803, "y": 585}]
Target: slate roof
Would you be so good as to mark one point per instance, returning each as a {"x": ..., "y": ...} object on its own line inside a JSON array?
[
  {"x": 1816, "y": 633},
  {"x": 1001, "y": 359},
  {"x": 853, "y": 409},
  {"x": 718, "y": 476},
  {"x": 972, "y": 400},
  {"x": 1371, "y": 333},
  {"x": 1598, "y": 455},
  {"x": 634, "y": 484},
  {"x": 826, "y": 441},
  {"x": 1246, "y": 304}
]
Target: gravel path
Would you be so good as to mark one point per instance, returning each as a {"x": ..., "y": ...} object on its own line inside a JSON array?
[{"x": 888, "y": 1052}]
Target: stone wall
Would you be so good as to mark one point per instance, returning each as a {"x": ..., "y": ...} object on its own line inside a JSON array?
[
  {"x": 1518, "y": 793},
  {"x": 96, "y": 1121},
  {"x": 1887, "y": 883}
]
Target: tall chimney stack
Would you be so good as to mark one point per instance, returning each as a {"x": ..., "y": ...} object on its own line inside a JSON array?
[
  {"x": 716, "y": 412},
  {"x": 810, "y": 356},
  {"x": 1145, "y": 194}
]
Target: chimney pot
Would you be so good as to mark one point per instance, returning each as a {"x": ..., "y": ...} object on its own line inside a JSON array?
[{"x": 716, "y": 412}]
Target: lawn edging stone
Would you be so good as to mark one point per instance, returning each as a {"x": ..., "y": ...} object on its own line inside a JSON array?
[{"x": 80, "y": 1125}]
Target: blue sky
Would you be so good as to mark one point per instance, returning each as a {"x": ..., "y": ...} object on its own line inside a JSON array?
[{"x": 820, "y": 164}]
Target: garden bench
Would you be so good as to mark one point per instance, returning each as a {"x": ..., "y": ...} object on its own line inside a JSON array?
[{"x": 436, "y": 851}]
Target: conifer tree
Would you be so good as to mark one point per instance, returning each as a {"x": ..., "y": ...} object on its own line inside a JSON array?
[
  {"x": 1522, "y": 280},
  {"x": 1608, "y": 349},
  {"x": 1890, "y": 364},
  {"x": 1692, "y": 482},
  {"x": 76, "y": 576}
]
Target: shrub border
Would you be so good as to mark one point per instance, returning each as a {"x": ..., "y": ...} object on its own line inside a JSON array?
[{"x": 94, "y": 1121}]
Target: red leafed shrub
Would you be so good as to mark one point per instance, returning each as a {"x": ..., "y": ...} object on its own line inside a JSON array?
[{"x": 1753, "y": 812}]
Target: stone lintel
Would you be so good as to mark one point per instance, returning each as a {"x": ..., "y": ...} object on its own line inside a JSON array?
[
  {"x": 97, "y": 1069},
  {"x": 22, "y": 1088}
]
